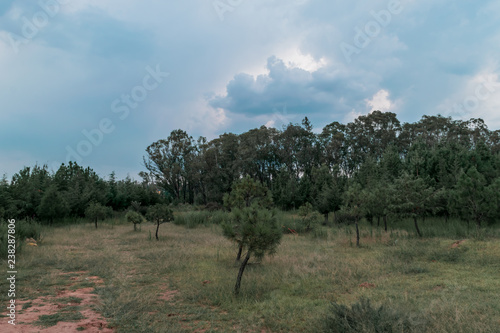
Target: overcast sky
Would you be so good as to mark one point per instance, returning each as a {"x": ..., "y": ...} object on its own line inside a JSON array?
[{"x": 97, "y": 81}]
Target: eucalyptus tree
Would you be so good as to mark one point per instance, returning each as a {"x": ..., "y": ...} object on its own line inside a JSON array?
[
  {"x": 258, "y": 155},
  {"x": 169, "y": 161},
  {"x": 333, "y": 146}
]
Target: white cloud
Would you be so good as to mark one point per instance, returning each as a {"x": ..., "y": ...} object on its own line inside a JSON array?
[
  {"x": 294, "y": 58},
  {"x": 380, "y": 101},
  {"x": 477, "y": 97}
]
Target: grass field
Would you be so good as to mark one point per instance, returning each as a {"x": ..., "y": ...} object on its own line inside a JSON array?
[{"x": 184, "y": 282}]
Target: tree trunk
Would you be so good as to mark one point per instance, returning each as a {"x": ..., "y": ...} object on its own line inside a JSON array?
[
  {"x": 385, "y": 223},
  {"x": 416, "y": 226},
  {"x": 370, "y": 219},
  {"x": 378, "y": 221},
  {"x": 326, "y": 219},
  {"x": 96, "y": 222},
  {"x": 135, "y": 226},
  {"x": 157, "y": 227},
  {"x": 240, "y": 273},
  {"x": 478, "y": 223},
  {"x": 240, "y": 249},
  {"x": 357, "y": 233}
]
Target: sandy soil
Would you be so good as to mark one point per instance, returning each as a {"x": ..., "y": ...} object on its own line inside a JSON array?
[{"x": 47, "y": 305}]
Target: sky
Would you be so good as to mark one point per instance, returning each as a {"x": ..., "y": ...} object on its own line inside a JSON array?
[{"x": 97, "y": 81}]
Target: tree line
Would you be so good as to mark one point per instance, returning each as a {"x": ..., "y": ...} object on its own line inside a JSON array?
[
  {"x": 370, "y": 167},
  {"x": 36, "y": 194}
]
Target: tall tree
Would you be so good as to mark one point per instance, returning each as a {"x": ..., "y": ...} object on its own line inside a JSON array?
[
  {"x": 169, "y": 161},
  {"x": 52, "y": 205}
]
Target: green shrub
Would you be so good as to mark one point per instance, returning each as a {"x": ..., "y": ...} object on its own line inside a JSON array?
[
  {"x": 363, "y": 317},
  {"x": 24, "y": 230},
  {"x": 134, "y": 217}
]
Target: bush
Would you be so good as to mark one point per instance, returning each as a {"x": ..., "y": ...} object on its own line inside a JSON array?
[
  {"x": 363, "y": 317},
  {"x": 24, "y": 230},
  {"x": 134, "y": 217}
]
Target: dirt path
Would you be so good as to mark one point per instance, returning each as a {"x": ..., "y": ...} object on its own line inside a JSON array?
[{"x": 71, "y": 310}]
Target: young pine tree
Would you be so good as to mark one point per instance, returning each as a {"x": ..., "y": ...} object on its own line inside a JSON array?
[
  {"x": 257, "y": 231},
  {"x": 159, "y": 213}
]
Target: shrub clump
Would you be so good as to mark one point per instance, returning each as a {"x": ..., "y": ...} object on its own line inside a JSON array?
[{"x": 363, "y": 317}]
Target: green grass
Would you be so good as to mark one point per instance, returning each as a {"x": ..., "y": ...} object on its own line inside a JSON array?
[
  {"x": 67, "y": 314},
  {"x": 184, "y": 282}
]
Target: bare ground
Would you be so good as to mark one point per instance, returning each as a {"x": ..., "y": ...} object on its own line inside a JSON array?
[{"x": 84, "y": 298}]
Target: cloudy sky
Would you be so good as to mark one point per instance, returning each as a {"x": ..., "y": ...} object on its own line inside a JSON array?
[{"x": 97, "y": 81}]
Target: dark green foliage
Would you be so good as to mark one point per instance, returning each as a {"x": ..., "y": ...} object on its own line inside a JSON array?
[
  {"x": 474, "y": 200},
  {"x": 26, "y": 190},
  {"x": 247, "y": 192},
  {"x": 95, "y": 211},
  {"x": 256, "y": 231},
  {"x": 171, "y": 161},
  {"x": 308, "y": 217},
  {"x": 134, "y": 217},
  {"x": 297, "y": 166},
  {"x": 79, "y": 186},
  {"x": 362, "y": 317},
  {"x": 412, "y": 197},
  {"x": 52, "y": 205},
  {"x": 159, "y": 213},
  {"x": 326, "y": 190}
]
